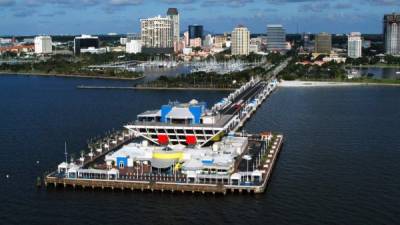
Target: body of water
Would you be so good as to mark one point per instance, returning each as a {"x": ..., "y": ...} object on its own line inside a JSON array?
[
  {"x": 379, "y": 72},
  {"x": 339, "y": 163}
]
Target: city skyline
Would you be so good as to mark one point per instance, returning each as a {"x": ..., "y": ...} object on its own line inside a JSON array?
[{"x": 30, "y": 17}]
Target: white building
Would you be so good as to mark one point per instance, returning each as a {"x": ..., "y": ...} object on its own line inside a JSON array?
[
  {"x": 123, "y": 40},
  {"x": 335, "y": 58},
  {"x": 187, "y": 51},
  {"x": 93, "y": 50},
  {"x": 157, "y": 32},
  {"x": 208, "y": 41},
  {"x": 240, "y": 41},
  {"x": 354, "y": 45},
  {"x": 134, "y": 46},
  {"x": 253, "y": 48},
  {"x": 43, "y": 45}
]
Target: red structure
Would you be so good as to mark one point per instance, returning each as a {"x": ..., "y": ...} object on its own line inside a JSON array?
[
  {"x": 191, "y": 140},
  {"x": 163, "y": 139}
]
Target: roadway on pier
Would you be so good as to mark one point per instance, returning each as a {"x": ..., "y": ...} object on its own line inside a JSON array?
[{"x": 244, "y": 96}]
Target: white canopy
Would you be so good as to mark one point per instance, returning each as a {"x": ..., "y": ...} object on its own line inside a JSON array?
[
  {"x": 180, "y": 113},
  {"x": 236, "y": 176},
  {"x": 256, "y": 173}
]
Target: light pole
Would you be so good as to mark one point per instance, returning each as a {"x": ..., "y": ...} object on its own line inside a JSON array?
[{"x": 247, "y": 158}]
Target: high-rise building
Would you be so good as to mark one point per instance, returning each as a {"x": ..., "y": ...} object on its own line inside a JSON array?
[
  {"x": 276, "y": 38},
  {"x": 85, "y": 42},
  {"x": 173, "y": 15},
  {"x": 43, "y": 45},
  {"x": 157, "y": 34},
  {"x": 323, "y": 43},
  {"x": 195, "y": 31},
  {"x": 354, "y": 45},
  {"x": 391, "y": 32},
  {"x": 240, "y": 41}
]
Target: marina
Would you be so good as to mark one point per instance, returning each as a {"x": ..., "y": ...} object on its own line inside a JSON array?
[{"x": 183, "y": 147}]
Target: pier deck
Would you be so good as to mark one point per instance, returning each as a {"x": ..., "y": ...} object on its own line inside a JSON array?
[{"x": 180, "y": 183}]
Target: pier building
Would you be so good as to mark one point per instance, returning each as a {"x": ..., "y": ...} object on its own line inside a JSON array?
[{"x": 193, "y": 123}]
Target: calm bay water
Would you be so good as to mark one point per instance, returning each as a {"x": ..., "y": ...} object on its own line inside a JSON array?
[
  {"x": 339, "y": 165},
  {"x": 379, "y": 73}
]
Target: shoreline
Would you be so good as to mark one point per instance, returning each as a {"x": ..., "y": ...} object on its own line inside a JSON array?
[
  {"x": 382, "y": 66},
  {"x": 300, "y": 83},
  {"x": 154, "y": 88},
  {"x": 69, "y": 76}
]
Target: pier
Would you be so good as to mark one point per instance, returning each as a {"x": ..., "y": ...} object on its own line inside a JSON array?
[{"x": 182, "y": 147}]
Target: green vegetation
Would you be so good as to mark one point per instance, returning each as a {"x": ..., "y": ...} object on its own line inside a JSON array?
[
  {"x": 207, "y": 80},
  {"x": 327, "y": 71},
  {"x": 389, "y": 61},
  {"x": 71, "y": 65}
]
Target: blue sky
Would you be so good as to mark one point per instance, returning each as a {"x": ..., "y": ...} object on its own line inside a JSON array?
[{"x": 27, "y": 17}]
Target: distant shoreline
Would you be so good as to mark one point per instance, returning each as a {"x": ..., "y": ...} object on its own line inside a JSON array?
[
  {"x": 69, "y": 75},
  {"x": 382, "y": 66},
  {"x": 300, "y": 83},
  {"x": 155, "y": 88}
]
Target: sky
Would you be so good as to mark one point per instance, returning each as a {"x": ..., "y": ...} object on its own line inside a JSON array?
[{"x": 32, "y": 17}]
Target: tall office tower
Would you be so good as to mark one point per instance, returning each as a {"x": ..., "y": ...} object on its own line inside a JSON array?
[
  {"x": 354, "y": 45},
  {"x": 85, "y": 42},
  {"x": 240, "y": 41},
  {"x": 157, "y": 34},
  {"x": 173, "y": 14},
  {"x": 323, "y": 43},
  {"x": 195, "y": 31},
  {"x": 391, "y": 33},
  {"x": 43, "y": 45},
  {"x": 276, "y": 38}
]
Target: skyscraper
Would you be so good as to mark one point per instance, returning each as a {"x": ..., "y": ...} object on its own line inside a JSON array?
[
  {"x": 240, "y": 41},
  {"x": 157, "y": 34},
  {"x": 323, "y": 43},
  {"x": 173, "y": 14},
  {"x": 354, "y": 45},
  {"x": 195, "y": 31},
  {"x": 276, "y": 38},
  {"x": 391, "y": 32}
]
